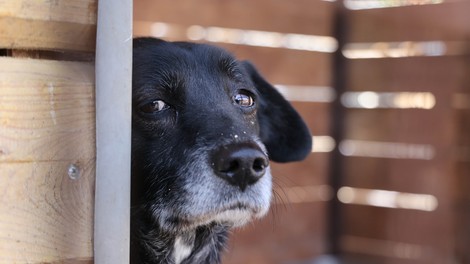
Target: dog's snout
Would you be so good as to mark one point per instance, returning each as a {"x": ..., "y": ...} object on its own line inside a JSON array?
[{"x": 240, "y": 164}]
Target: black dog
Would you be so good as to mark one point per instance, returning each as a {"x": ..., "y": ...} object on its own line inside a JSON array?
[{"x": 204, "y": 125}]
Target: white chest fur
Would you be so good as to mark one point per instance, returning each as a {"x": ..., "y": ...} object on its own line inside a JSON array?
[{"x": 183, "y": 247}]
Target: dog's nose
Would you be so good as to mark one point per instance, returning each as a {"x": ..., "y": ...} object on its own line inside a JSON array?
[{"x": 240, "y": 164}]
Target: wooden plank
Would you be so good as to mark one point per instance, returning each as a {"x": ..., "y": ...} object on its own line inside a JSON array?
[
  {"x": 46, "y": 126},
  {"x": 439, "y": 75},
  {"x": 312, "y": 171},
  {"x": 301, "y": 16},
  {"x": 316, "y": 116},
  {"x": 290, "y": 67},
  {"x": 402, "y": 126},
  {"x": 365, "y": 250},
  {"x": 63, "y": 25},
  {"x": 46, "y": 110},
  {"x": 430, "y": 233},
  {"x": 419, "y": 177},
  {"x": 362, "y": 258},
  {"x": 45, "y": 216},
  {"x": 293, "y": 232},
  {"x": 74, "y": 11},
  {"x": 35, "y": 34},
  {"x": 413, "y": 23}
]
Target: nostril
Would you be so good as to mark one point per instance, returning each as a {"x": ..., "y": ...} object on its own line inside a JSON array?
[
  {"x": 259, "y": 165},
  {"x": 231, "y": 166}
]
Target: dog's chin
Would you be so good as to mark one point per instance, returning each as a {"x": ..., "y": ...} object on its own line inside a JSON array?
[{"x": 232, "y": 216}]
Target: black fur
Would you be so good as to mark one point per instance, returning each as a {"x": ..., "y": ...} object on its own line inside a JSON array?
[{"x": 203, "y": 126}]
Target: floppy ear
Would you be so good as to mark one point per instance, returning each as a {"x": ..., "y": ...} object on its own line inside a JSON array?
[{"x": 282, "y": 130}]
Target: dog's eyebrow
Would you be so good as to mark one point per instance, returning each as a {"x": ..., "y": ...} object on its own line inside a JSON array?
[
  {"x": 170, "y": 80},
  {"x": 230, "y": 66}
]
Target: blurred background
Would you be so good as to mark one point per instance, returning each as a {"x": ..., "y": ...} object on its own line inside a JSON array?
[{"x": 384, "y": 88}]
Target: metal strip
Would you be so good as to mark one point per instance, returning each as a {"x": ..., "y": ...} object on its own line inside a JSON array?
[{"x": 113, "y": 131}]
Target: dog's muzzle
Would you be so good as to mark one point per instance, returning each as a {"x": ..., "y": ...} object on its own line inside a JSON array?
[{"x": 241, "y": 164}]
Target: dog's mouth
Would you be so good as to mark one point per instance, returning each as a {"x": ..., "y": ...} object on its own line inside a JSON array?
[
  {"x": 234, "y": 215},
  {"x": 238, "y": 206}
]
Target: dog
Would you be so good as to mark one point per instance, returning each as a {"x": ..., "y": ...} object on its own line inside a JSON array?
[{"x": 204, "y": 127}]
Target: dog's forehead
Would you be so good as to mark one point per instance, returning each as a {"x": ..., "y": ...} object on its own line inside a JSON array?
[
  {"x": 183, "y": 56},
  {"x": 187, "y": 71}
]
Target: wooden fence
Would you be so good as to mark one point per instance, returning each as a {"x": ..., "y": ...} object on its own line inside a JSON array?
[
  {"x": 404, "y": 152},
  {"x": 47, "y": 131}
]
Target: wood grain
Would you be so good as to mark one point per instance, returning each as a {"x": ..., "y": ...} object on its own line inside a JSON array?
[
  {"x": 44, "y": 215},
  {"x": 46, "y": 110},
  {"x": 75, "y": 11},
  {"x": 46, "y": 124},
  {"x": 63, "y": 25}
]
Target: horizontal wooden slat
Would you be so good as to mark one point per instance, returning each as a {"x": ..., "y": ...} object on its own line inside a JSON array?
[
  {"x": 364, "y": 250},
  {"x": 432, "y": 231},
  {"x": 63, "y": 25},
  {"x": 18, "y": 33},
  {"x": 45, "y": 216},
  {"x": 316, "y": 116},
  {"x": 289, "y": 233},
  {"x": 414, "y": 23},
  {"x": 288, "y": 66},
  {"x": 408, "y": 176},
  {"x": 75, "y": 11},
  {"x": 440, "y": 75},
  {"x": 304, "y": 16},
  {"x": 46, "y": 110},
  {"x": 46, "y": 126},
  {"x": 312, "y": 171},
  {"x": 402, "y": 126}
]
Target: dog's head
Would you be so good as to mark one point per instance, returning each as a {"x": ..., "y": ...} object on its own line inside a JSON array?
[{"x": 204, "y": 128}]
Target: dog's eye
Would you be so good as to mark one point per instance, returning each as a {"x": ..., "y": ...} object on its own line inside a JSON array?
[
  {"x": 154, "y": 106},
  {"x": 244, "y": 99}
]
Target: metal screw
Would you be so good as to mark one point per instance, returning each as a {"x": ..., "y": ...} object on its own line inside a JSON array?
[{"x": 73, "y": 172}]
